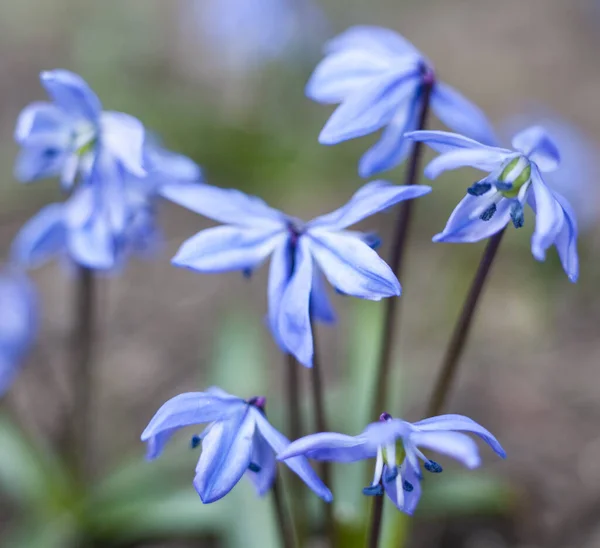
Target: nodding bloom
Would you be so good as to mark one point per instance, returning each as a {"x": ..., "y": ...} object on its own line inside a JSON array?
[
  {"x": 18, "y": 323},
  {"x": 397, "y": 447},
  {"x": 380, "y": 81},
  {"x": 109, "y": 216},
  {"x": 63, "y": 138},
  {"x": 300, "y": 252},
  {"x": 515, "y": 179},
  {"x": 238, "y": 440}
]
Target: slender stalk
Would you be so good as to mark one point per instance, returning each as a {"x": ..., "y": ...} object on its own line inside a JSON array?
[
  {"x": 82, "y": 372},
  {"x": 286, "y": 530},
  {"x": 376, "y": 521},
  {"x": 293, "y": 397},
  {"x": 392, "y": 305},
  {"x": 449, "y": 366},
  {"x": 321, "y": 424}
]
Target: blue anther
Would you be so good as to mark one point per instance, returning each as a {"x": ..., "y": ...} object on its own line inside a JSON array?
[
  {"x": 253, "y": 467},
  {"x": 433, "y": 467},
  {"x": 407, "y": 486},
  {"x": 195, "y": 441},
  {"x": 503, "y": 186},
  {"x": 391, "y": 474},
  {"x": 478, "y": 189},
  {"x": 247, "y": 273},
  {"x": 488, "y": 213},
  {"x": 373, "y": 490},
  {"x": 517, "y": 214},
  {"x": 372, "y": 240}
]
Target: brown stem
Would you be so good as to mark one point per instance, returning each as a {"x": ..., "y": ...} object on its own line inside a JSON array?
[
  {"x": 286, "y": 530},
  {"x": 376, "y": 521}
]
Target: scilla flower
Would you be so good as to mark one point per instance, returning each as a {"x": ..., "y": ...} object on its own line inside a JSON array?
[
  {"x": 515, "y": 179},
  {"x": 381, "y": 81},
  {"x": 62, "y": 138},
  {"x": 397, "y": 447},
  {"x": 300, "y": 251},
  {"x": 18, "y": 323},
  {"x": 238, "y": 440}
]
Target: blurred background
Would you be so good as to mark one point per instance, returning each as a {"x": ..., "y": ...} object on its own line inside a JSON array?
[{"x": 222, "y": 81}]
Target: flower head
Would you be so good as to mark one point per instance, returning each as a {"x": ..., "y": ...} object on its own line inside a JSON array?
[
  {"x": 238, "y": 440},
  {"x": 515, "y": 179},
  {"x": 63, "y": 138},
  {"x": 396, "y": 445},
  {"x": 300, "y": 252},
  {"x": 18, "y": 323},
  {"x": 381, "y": 81}
]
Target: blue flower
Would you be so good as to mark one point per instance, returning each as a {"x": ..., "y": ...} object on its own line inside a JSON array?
[
  {"x": 380, "y": 80},
  {"x": 396, "y": 445},
  {"x": 62, "y": 138},
  {"x": 110, "y": 215},
  {"x": 18, "y": 323},
  {"x": 238, "y": 440},
  {"x": 515, "y": 178},
  {"x": 253, "y": 231}
]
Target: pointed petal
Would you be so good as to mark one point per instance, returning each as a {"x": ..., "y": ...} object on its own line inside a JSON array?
[
  {"x": 351, "y": 266},
  {"x": 227, "y": 248},
  {"x": 35, "y": 163},
  {"x": 170, "y": 165},
  {"x": 460, "y": 422},
  {"x": 279, "y": 276},
  {"x": 123, "y": 136},
  {"x": 264, "y": 457},
  {"x": 329, "y": 446},
  {"x": 444, "y": 141},
  {"x": 371, "y": 198},
  {"x": 224, "y": 205},
  {"x": 299, "y": 465},
  {"x": 41, "y": 238},
  {"x": 71, "y": 93},
  {"x": 370, "y": 108},
  {"x": 226, "y": 454},
  {"x": 294, "y": 315},
  {"x": 321, "y": 308},
  {"x": 537, "y": 145},
  {"x": 378, "y": 40},
  {"x": 485, "y": 159},
  {"x": 566, "y": 241},
  {"x": 458, "y": 446},
  {"x": 43, "y": 125},
  {"x": 461, "y": 115},
  {"x": 410, "y": 499},
  {"x": 549, "y": 215},
  {"x": 378, "y": 434}
]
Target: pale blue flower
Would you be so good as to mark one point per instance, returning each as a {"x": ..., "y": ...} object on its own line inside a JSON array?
[
  {"x": 18, "y": 323},
  {"x": 515, "y": 179},
  {"x": 397, "y": 447},
  {"x": 238, "y": 440},
  {"x": 62, "y": 138},
  {"x": 380, "y": 81},
  {"x": 300, "y": 253}
]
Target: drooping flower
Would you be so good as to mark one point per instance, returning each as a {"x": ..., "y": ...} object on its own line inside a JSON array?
[
  {"x": 109, "y": 216},
  {"x": 381, "y": 81},
  {"x": 238, "y": 440},
  {"x": 18, "y": 323},
  {"x": 63, "y": 138},
  {"x": 253, "y": 231},
  {"x": 515, "y": 178},
  {"x": 396, "y": 445}
]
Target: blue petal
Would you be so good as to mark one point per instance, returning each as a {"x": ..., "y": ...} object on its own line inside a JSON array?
[
  {"x": 549, "y": 218},
  {"x": 454, "y": 444},
  {"x": 485, "y": 159},
  {"x": 537, "y": 145},
  {"x": 369, "y": 109},
  {"x": 371, "y": 198},
  {"x": 392, "y": 149},
  {"x": 224, "y": 205},
  {"x": 41, "y": 238},
  {"x": 460, "y": 422},
  {"x": 71, "y": 93},
  {"x": 35, "y": 163},
  {"x": 279, "y": 276},
  {"x": 294, "y": 326},
  {"x": 411, "y": 499},
  {"x": 299, "y": 465},
  {"x": 170, "y": 165},
  {"x": 227, "y": 248},
  {"x": 329, "y": 446},
  {"x": 185, "y": 410},
  {"x": 378, "y": 40},
  {"x": 378, "y": 434},
  {"x": 226, "y": 454},
  {"x": 43, "y": 125},
  {"x": 123, "y": 137},
  {"x": 321, "y": 308},
  {"x": 461, "y": 115},
  {"x": 444, "y": 141},
  {"x": 566, "y": 241},
  {"x": 264, "y": 457},
  {"x": 351, "y": 266}
]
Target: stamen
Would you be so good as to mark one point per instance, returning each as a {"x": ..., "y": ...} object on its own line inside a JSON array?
[
  {"x": 378, "y": 467},
  {"x": 391, "y": 474},
  {"x": 373, "y": 490},
  {"x": 517, "y": 215},
  {"x": 488, "y": 213},
  {"x": 195, "y": 442},
  {"x": 479, "y": 189},
  {"x": 433, "y": 467},
  {"x": 372, "y": 240},
  {"x": 253, "y": 467},
  {"x": 503, "y": 186},
  {"x": 385, "y": 417},
  {"x": 408, "y": 487},
  {"x": 258, "y": 401},
  {"x": 247, "y": 273}
]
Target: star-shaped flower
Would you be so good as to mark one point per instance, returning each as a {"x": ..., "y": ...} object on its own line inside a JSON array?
[
  {"x": 396, "y": 445},
  {"x": 381, "y": 81},
  {"x": 515, "y": 178},
  {"x": 300, "y": 251},
  {"x": 238, "y": 440}
]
